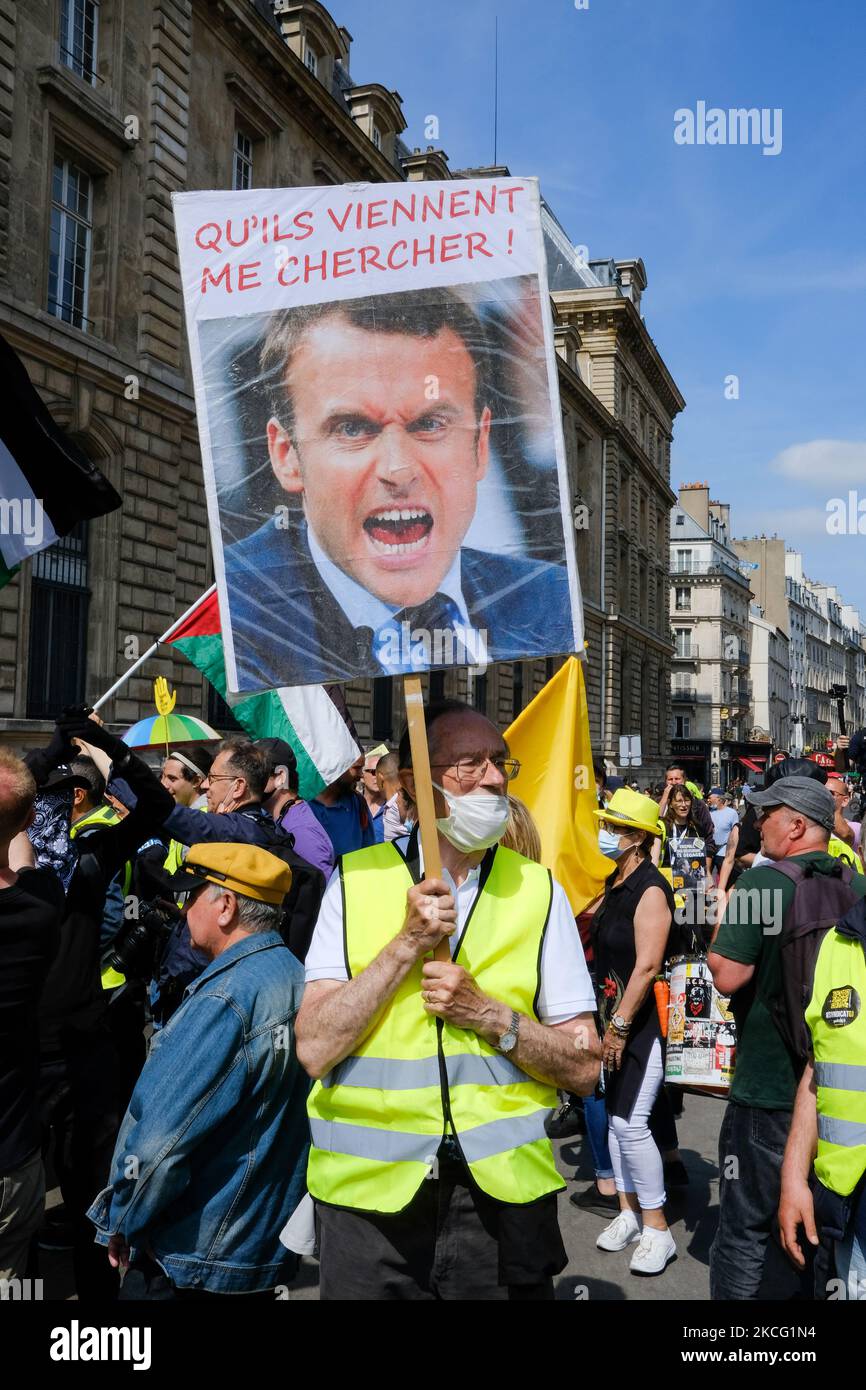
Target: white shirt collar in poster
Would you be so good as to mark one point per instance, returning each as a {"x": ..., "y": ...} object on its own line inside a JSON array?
[{"x": 363, "y": 609}]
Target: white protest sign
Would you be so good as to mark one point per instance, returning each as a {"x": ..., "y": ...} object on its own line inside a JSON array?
[{"x": 378, "y": 407}]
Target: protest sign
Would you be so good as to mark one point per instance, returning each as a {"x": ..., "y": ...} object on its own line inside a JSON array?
[{"x": 381, "y": 437}]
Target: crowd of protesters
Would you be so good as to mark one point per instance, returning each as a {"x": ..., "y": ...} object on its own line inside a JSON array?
[{"x": 238, "y": 1026}]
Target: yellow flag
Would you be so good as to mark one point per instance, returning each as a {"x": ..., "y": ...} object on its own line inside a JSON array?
[{"x": 550, "y": 738}]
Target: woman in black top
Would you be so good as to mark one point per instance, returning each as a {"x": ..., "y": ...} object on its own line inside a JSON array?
[
  {"x": 630, "y": 935},
  {"x": 685, "y": 845}
]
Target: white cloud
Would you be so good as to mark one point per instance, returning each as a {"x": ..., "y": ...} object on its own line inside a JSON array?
[{"x": 823, "y": 462}]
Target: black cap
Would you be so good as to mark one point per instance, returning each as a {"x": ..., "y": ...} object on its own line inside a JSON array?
[
  {"x": 277, "y": 753},
  {"x": 60, "y": 779}
]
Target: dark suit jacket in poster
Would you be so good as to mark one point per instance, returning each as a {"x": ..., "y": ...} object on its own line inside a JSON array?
[{"x": 288, "y": 629}]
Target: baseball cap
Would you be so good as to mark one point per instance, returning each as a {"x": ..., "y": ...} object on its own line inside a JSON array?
[
  {"x": 277, "y": 753},
  {"x": 61, "y": 779},
  {"x": 245, "y": 869},
  {"x": 801, "y": 794}
]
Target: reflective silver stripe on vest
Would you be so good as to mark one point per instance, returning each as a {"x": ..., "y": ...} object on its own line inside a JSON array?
[
  {"x": 394, "y": 1146},
  {"x": 848, "y": 1134},
  {"x": 386, "y": 1074},
  {"x": 499, "y": 1136},
  {"x": 841, "y": 1076},
  {"x": 470, "y": 1069},
  {"x": 387, "y": 1145}
]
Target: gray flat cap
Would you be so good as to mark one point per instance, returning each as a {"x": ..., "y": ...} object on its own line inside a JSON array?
[{"x": 801, "y": 794}]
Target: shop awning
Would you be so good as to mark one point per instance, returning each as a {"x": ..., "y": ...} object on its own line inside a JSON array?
[
  {"x": 822, "y": 759},
  {"x": 752, "y": 764}
]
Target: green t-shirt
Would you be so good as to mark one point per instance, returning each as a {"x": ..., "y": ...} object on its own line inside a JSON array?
[{"x": 764, "y": 1075}]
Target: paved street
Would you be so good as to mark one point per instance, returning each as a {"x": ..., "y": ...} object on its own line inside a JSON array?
[
  {"x": 591, "y": 1273},
  {"x": 692, "y": 1214}
]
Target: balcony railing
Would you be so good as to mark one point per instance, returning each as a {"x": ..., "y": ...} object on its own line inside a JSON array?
[
  {"x": 689, "y": 653},
  {"x": 682, "y": 568}
]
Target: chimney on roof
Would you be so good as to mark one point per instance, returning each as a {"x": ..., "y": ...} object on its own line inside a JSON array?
[
  {"x": 632, "y": 280},
  {"x": 694, "y": 499}
]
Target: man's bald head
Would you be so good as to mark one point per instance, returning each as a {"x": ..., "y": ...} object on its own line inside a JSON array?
[
  {"x": 17, "y": 795},
  {"x": 455, "y": 730}
]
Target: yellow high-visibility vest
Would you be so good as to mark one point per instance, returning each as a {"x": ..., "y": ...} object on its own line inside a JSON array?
[
  {"x": 837, "y": 1021},
  {"x": 103, "y": 816},
  {"x": 840, "y": 850},
  {"x": 377, "y": 1120}
]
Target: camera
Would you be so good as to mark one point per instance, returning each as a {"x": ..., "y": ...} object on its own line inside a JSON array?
[{"x": 137, "y": 949}]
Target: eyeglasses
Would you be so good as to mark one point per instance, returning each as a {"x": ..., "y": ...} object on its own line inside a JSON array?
[
  {"x": 223, "y": 777},
  {"x": 473, "y": 767}
]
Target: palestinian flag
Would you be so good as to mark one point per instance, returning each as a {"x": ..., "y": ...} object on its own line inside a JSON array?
[
  {"x": 304, "y": 715},
  {"x": 47, "y": 485}
]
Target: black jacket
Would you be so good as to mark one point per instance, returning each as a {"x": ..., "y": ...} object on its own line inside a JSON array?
[
  {"x": 73, "y": 1000},
  {"x": 252, "y": 825}
]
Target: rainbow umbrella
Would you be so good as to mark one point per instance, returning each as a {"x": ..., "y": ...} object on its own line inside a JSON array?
[{"x": 161, "y": 730}]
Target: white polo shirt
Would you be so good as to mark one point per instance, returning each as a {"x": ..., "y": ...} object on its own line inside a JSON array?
[{"x": 566, "y": 989}]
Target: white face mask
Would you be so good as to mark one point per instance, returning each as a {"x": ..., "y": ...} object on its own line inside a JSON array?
[
  {"x": 474, "y": 821},
  {"x": 609, "y": 844}
]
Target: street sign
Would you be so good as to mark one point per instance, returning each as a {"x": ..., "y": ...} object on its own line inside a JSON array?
[{"x": 629, "y": 750}]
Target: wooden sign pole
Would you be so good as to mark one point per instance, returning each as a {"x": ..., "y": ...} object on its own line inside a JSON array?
[{"x": 424, "y": 789}]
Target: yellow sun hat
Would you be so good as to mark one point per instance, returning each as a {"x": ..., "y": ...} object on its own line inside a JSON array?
[{"x": 632, "y": 811}]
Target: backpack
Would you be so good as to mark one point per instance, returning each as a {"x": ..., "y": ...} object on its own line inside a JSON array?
[{"x": 820, "y": 900}]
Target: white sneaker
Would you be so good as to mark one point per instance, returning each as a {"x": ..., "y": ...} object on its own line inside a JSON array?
[
  {"x": 655, "y": 1250},
  {"x": 622, "y": 1231}
]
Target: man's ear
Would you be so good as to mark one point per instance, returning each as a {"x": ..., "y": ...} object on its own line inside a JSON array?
[
  {"x": 78, "y": 794},
  {"x": 228, "y": 907},
  {"x": 406, "y": 778},
  {"x": 284, "y": 458}
]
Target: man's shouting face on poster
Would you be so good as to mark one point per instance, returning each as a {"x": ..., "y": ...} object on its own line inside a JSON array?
[{"x": 380, "y": 423}]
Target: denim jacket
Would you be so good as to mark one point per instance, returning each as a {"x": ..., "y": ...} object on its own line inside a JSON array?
[{"x": 210, "y": 1161}]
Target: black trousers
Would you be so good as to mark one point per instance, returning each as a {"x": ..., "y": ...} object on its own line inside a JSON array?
[
  {"x": 79, "y": 1107},
  {"x": 450, "y": 1243}
]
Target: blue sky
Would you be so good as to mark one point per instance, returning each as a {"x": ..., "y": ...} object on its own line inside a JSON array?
[{"x": 756, "y": 263}]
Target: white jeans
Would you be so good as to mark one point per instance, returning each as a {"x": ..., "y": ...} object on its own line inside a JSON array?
[{"x": 637, "y": 1163}]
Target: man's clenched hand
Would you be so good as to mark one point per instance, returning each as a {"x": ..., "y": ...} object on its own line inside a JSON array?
[{"x": 430, "y": 915}]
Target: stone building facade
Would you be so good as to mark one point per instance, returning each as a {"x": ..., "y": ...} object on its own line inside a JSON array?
[
  {"x": 105, "y": 111},
  {"x": 770, "y": 675},
  {"x": 827, "y": 641},
  {"x": 625, "y": 567},
  {"x": 711, "y": 689}
]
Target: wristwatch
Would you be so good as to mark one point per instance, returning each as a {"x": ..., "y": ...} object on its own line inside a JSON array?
[
  {"x": 620, "y": 1024},
  {"x": 508, "y": 1041}
]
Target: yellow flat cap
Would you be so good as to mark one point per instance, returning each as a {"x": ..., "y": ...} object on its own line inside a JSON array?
[{"x": 245, "y": 869}]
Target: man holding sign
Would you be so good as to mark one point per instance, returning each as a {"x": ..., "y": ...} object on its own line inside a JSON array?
[{"x": 430, "y": 1166}]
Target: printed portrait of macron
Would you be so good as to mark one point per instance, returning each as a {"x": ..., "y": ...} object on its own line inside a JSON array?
[{"x": 380, "y": 426}]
